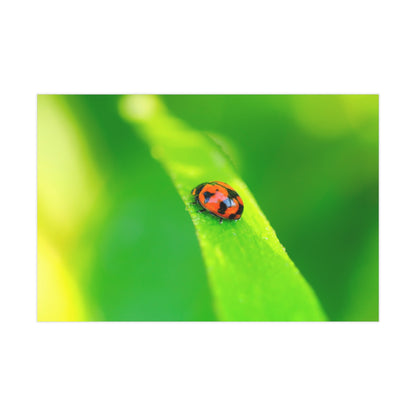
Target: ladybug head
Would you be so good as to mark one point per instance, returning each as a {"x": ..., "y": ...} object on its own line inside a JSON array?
[{"x": 198, "y": 188}]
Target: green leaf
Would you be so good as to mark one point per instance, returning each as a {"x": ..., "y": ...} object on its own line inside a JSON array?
[{"x": 251, "y": 276}]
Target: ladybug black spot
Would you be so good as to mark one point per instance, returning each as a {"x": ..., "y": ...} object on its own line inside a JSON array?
[
  {"x": 240, "y": 209},
  {"x": 232, "y": 194},
  {"x": 207, "y": 196},
  {"x": 223, "y": 208}
]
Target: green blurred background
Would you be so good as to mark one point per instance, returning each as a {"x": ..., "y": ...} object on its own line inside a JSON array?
[{"x": 114, "y": 239}]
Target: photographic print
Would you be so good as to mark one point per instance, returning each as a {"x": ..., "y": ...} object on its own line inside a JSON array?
[{"x": 207, "y": 208}]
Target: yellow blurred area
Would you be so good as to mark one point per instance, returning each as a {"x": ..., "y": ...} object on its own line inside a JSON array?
[
  {"x": 68, "y": 187},
  {"x": 141, "y": 107},
  {"x": 327, "y": 117},
  {"x": 67, "y": 183},
  {"x": 59, "y": 298}
]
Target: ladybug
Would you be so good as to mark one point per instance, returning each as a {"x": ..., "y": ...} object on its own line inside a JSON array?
[{"x": 219, "y": 199}]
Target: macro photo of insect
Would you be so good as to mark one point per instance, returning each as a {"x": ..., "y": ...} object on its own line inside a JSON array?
[
  {"x": 207, "y": 208},
  {"x": 219, "y": 199}
]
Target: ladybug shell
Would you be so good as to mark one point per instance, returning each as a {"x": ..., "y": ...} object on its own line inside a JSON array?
[{"x": 219, "y": 199}]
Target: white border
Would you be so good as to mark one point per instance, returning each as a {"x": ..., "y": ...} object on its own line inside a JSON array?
[{"x": 207, "y": 368}]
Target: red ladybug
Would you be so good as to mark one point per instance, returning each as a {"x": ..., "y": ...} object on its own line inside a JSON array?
[{"x": 219, "y": 199}]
